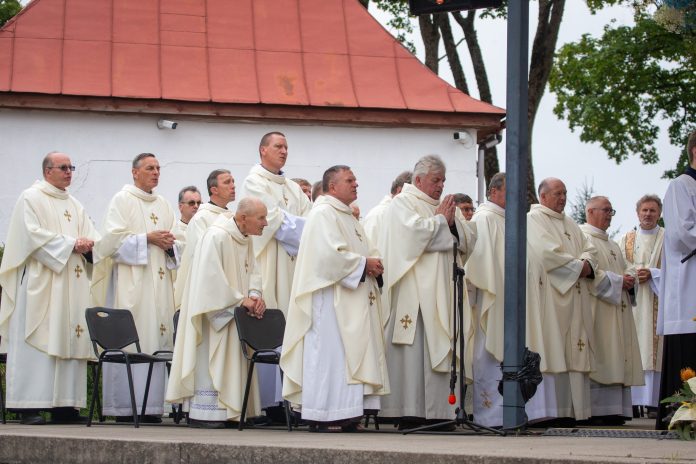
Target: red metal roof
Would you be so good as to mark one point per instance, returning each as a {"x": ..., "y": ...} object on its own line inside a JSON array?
[{"x": 321, "y": 53}]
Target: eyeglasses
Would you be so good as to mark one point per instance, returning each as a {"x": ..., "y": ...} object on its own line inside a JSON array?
[
  {"x": 63, "y": 167},
  {"x": 608, "y": 211},
  {"x": 192, "y": 203}
]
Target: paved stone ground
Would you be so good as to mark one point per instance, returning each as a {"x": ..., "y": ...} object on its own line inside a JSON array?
[{"x": 172, "y": 444}]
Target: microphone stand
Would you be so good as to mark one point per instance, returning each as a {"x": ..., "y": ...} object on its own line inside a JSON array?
[{"x": 461, "y": 417}]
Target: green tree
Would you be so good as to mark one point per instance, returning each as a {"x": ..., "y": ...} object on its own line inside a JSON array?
[
  {"x": 8, "y": 9},
  {"x": 437, "y": 29},
  {"x": 616, "y": 87}
]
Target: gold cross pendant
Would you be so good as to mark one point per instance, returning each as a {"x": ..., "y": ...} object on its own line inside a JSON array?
[
  {"x": 67, "y": 215},
  {"x": 161, "y": 273},
  {"x": 154, "y": 218},
  {"x": 78, "y": 271},
  {"x": 78, "y": 330},
  {"x": 406, "y": 320}
]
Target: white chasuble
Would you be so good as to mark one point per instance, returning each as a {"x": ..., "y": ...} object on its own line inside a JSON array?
[
  {"x": 372, "y": 222},
  {"x": 209, "y": 370},
  {"x": 418, "y": 248},
  {"x": 45, "y": 290},
  {"x": 205, "y": 216},
  {"x": 137, "y": 276},
  {"x": 616, "y": 351},
  {"x": 276, "y": 249},
  {"x": 331, "y": 309},
  {"x": 643, "y": 249}
]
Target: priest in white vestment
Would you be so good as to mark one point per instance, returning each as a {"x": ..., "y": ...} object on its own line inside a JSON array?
[
  {"x": 45, "y": 290},
  {"x": 373, "y": 219},
  {"x": 642, "y": 249},
  {"x": 276, "y": 249},
  {"x": 139, "y": 253},
  {"x": 559, "y": 317},
  {"x": 189, "y": 201},
  {"x": 418, "y": 237},
  {"x": 677, "y": 305},
  {"x": 221, "y": 189},
  {"x": 485, "y": 271},
  {"x": 333, "y": 352},
  {"x": 617, "y": 364},
  {"x": 209, "y": 370}
]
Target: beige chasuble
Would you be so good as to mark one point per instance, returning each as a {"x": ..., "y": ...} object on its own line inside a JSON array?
[
  {"x": 616, "y": 351},
  {"x": 559, "y": 316},
  {"x": 206, "y": 215},
  {"x": 56, "y": 297},
  {"x": 146, "y": 290},
  {"x": 372, "y": 222},
  {"x": 417, "y": 279},
  {"x": 333, "y": 244},
  {"x": 485, "y": 270},
  {"x": 223, "y": 272},
  {"x": 277, "y": 266},
  {"x": 643, "y": 250}
]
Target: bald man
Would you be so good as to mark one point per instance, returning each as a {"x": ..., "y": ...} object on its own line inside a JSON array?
[
  {"x": 209, "y": 370},
  {"x": 559, "y": 318},
  {"x": 45, "y": 290}
]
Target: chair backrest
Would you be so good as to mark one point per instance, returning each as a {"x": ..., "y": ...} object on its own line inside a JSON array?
[
  {"x": 260, "y": 334},
  {"x": 111, "y": 328}
]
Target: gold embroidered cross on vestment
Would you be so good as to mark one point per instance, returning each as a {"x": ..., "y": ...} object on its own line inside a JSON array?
[
  {"x": 246, "y": 266},
  {"x": 566, "y": 234},
  {"x": 162, "y": 329},
  {"x": 161, "y": 273},
  {"x": 623, "y": 306},
  {"x": 611, "y": 252},
  {"x": 406, "y": 320},
  {"x": 372, "y": 298},
  {"x": 78, "y": 330},
  {"x": 285, "y": 199},
  {"x": 154, "y": 218},
  {"x": 581, "y": 345},
  {"x": 577, "y": 285},
  {"x": 67, "y": 215},
  {"x": 358, "y": 234},
  {"x": 78, "y": 271}
]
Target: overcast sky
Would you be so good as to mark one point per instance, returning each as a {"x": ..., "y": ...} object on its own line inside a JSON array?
[{"x": 557, "y": 151}]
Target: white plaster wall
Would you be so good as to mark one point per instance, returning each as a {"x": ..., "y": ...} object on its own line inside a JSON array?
[{"x": 103, "y": 145}]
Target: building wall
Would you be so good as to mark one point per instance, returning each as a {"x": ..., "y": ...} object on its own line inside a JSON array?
[{"x": 103, "y": 145}]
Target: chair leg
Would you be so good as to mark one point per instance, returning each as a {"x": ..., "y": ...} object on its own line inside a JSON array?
[
  {"x": 246, "y": 395},
  {"x": 132, "y": 394},
  {"x": 95, "y": 379},
  {"x": 286, "y": 405},
  {"x": 147, "y": 387},
  {"x": 2, "y": 401},
  {"x": 95, "y": 393}
]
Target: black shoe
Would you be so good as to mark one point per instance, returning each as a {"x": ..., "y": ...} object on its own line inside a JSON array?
[
  {"x": 203, "y": 424},
  {"x": 67, "y": 416},
  {"x": 32, "y": 418}
]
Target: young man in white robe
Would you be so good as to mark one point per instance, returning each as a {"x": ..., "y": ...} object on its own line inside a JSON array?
[
  {"x": 617, "y": 364},
  {"x": 559, "y": 317},
  {"x": 139, "y": 254},
  {"x": 221, "y": 189},
  {"x": 642, "y": 249},
  {"x": 677, "y": 306},
  {"x": 209, "y": 370},
  {"x": 373, "y": 219},
  {"x": 418, "y": 238},
  {"x": 333, "y": 352},
  {"x": 276, "y": 249},
  {"x": 45, "y": 290}
]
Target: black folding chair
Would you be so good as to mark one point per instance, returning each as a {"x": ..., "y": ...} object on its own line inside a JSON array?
[
  {"x": 3, "y": 360},
  {"x": 260, "y": 340},
  {"x": 112, "y": 330}
]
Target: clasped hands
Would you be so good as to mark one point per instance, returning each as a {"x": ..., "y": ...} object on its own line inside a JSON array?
[
  {"x": 374, "y": 267},
  {"x": 83, "y": 245},
  {"x": 161, "y": 238},
  {"x": 255, "y": 306}
]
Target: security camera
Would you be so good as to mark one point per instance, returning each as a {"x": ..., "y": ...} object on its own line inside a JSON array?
[
  {"x": 464, "y": 138},
  {"x": 166, "y": 124}
]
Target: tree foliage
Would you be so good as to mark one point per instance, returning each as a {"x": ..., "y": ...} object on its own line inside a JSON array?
[
  {"x": 616, "y": 87},
  {"x": 8, "y": 9}
]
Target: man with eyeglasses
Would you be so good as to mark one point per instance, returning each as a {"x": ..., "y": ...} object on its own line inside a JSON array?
[
  {"x": 189, "y": 201},
  {"x": 465, "y": 205},
  {"x": 642, "y": 249},
  {"x": 559, "y": 318},
  {"x": 617, "y": 364},
  {"x": 221, "y": 189},
  {"x": 141, "y": 254},
  {"x": 45, "y": 289}
]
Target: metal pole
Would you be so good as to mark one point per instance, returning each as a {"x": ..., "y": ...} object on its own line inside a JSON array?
[{"x": 516, "y": 206}]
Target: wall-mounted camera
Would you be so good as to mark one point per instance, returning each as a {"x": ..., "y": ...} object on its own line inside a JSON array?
[{"x": 166, "y": 124}]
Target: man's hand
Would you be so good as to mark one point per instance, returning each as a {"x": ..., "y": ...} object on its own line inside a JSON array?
[
  {"x": 644, "y": 275},
  {"x": 628, "y": 281},
  {"x": 374, "y": 267},
  {"x": 586, "y": 269},
  {"x": 255, "y": 306},
  {"x": 161, "y": 238},
  {"x": 83, "y": 245},
  {"x": 446, "y": 208}
]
